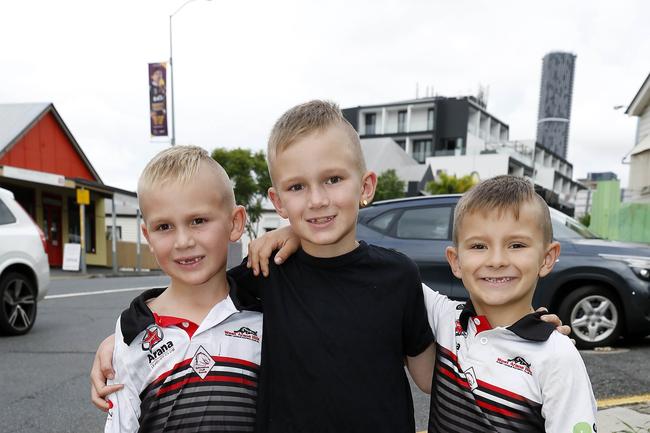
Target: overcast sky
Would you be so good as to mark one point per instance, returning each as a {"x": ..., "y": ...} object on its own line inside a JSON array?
[{"x": 241, "y": 64}]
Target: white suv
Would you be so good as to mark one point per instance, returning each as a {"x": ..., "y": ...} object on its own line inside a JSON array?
[{"x": 24, "y": 268}]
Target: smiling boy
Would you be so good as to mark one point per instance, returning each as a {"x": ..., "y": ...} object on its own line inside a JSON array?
[{"x": 499, "y": 367}]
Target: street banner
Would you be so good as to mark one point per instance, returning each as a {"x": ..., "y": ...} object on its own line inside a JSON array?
[{"x": 158, "y": 98}]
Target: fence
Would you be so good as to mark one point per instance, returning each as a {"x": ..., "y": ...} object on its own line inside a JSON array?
[{"x": 614, "y": 220}]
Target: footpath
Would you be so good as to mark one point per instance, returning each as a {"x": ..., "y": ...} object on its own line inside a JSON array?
[{"x": 101, "y": 272}]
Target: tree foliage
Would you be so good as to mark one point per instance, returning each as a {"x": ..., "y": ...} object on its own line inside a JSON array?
[
  {"x": 389, "y": 186},
  {"x": 250, "y": 177},
  {"x": 585, "y": 219},
  {"x": 446, "y": 184}
]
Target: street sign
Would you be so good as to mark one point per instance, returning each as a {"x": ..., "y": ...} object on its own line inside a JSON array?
[{"x": 83, "y": 196}]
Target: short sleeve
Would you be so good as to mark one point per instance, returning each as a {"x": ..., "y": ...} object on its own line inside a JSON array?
[
  {"x": 416, "y": 332},
  {"x": 565, "y": 384},
  {"x": 437, "y": 306},
  {"x": 125, "y": 404}
]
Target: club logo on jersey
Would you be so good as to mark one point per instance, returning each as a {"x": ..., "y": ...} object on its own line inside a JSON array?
[
  {"x": 518, "y": 363},
  {"x": 244, "y": 332},
  {"x": 202, "y": 362},
  {"x": 470, "y": 376},
  {"x": 459, "y": 330},
  {"x": 152, "y": 336},
  {"x": 583, "y": 427}
]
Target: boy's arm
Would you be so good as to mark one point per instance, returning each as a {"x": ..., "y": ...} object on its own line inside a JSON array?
[
  {"x": 421, "y": 368},
  {"x": 260, "y": 250},
  {"x": 102, "y": 370},
  {"x": 565, "y": 384}
]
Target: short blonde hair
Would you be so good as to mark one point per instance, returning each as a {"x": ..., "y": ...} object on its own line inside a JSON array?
[
  {"x": 180, "y": 164},
  {"x": 304, "y": 119},
  {"x": 502, "y": 193}
]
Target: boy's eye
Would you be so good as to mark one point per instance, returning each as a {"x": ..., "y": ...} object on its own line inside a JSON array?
[
  {"x": 518, "y": 245},
  {"x": 334, "y": 179},
  {"x": 197, "y": 221},
  {"x": 477, "y": 247},
  {"x": 163, "y": 227},
  {"x": 296, "y": 187}
]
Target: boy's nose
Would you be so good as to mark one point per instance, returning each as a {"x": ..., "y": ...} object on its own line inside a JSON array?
[
  {"x": 318, "y": 198},
  {"x": 184, "y": 238},
  {"x": 497, "y": 258}
]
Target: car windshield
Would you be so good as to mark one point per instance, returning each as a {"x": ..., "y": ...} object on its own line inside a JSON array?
[{"x": 565, "y": 227}]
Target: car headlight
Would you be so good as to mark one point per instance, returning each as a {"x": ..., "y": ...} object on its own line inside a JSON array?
[{"x": 640, "y": 265}]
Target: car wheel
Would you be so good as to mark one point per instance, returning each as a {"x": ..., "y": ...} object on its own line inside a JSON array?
[
  {"x": 18, "y": 310},
  {"x": 594, "y": 315}
]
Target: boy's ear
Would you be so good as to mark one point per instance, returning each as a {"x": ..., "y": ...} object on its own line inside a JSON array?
[
  {"x": 550, "y": 258},
  {"x": 368, "y": 186},
  {"x": 277, "y": 202},
  {"x": 145, "y": 232},
  {"x": 452, "y": 259},
  {"x": 238, "y": 218}
]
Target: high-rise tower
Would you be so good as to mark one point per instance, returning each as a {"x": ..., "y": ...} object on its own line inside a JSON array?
[{"x": 555, "y": 101}]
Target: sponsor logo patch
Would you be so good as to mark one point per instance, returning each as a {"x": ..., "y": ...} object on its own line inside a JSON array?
[
  {"x": 583, "y": 427},
  {"x": 459, "y": 330},
  {"x": 152, "y": 336},
  {"x": 202, "y": 362},
  {"x": 518, "y": 363},
  {"x": 244, "y": 332},
  {"x": 470, "y": 376}
]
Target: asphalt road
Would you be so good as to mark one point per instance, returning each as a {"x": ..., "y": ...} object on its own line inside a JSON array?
[{"x": 44, "y": 375}]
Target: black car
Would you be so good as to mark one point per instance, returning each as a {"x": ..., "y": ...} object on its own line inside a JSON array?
[{"x": 600, "y": 288}]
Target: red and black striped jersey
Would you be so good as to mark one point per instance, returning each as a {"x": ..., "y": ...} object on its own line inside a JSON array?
[
  {"x": 182, "y": 377},
  {"x": 521, "y": 378}
]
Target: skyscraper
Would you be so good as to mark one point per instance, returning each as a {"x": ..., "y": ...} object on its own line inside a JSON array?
[{"x": 555, "y": 96}]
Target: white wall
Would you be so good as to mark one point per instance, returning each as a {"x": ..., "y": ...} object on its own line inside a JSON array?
[{"x": 486, "y": 166}]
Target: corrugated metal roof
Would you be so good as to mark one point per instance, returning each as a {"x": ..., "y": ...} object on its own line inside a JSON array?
[{"x": 16, "y": 118}]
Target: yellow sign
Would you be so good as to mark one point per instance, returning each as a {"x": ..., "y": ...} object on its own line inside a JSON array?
[{"x": 83, "y": 196}]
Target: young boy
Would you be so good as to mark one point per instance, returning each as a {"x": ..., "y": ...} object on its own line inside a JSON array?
[
  {"x": 187, "y": 355},
  {"x": 499, "y": 367},
  {"x": 340, "y": 316}
]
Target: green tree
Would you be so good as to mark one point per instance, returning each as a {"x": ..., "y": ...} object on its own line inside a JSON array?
[
  {"x": 389, "y": 186},
  {"x": 250, "y": 176},
  {"x": 585, "y": 219},
  {"x": 446, "y": 184}
]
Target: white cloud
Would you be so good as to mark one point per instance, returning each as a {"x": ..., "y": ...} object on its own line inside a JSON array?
[{"x": 239, "y": 65}]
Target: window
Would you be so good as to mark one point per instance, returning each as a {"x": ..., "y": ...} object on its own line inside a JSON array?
[
  {"x": 430, "y": 119},
  {"x": 6, "y": 217},
  {"x": 425, "y": 223},
  {"x": 421, "y": 149},
  {"x": 382, "y": 222},
  {"x": 371, "y": 122},
  {"x": 109, "y": 233},
  {"x": 401, "y": 121},
  {"x": 401, "y": 143}
]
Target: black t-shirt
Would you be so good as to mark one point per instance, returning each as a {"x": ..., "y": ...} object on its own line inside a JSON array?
[{"x": 336, "y": 332}]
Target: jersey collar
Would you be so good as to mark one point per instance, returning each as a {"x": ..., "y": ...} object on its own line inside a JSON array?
[
  {"x": 530, "y": 327},
  {"x": 138, "y": 316}
]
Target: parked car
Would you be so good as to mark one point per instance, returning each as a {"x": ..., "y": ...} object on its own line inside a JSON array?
[
  {"x": 24, "y": 268},
  {"x": 600, "y": 288}
]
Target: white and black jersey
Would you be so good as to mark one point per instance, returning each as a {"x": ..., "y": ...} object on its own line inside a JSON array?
[
  {"x": 523, "y": 378},
  {"x": 182, "y": 377}
]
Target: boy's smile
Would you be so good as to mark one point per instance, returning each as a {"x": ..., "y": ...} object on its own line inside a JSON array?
[
  {"x": 499, "y": 258},
  {"x": 318, "y": 186}
]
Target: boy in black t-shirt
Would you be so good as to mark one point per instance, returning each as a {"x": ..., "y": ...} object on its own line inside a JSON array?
[{"x": 340, "y": 317}]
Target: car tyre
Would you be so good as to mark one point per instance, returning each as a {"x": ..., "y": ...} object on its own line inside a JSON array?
[
  {"x": 594, "y": 314},
  {"x": 18, "y": 302}
]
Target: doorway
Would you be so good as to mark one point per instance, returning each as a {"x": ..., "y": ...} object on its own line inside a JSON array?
[{"x": 52, "y": 229}]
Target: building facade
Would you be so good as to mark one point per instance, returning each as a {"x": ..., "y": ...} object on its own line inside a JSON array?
[
  {"x": 459, "y": 136},
  {"x": 639, "y": 183},
  {"x": 555, "y": 95}
]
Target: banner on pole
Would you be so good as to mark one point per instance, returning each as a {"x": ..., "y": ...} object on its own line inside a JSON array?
[{"x": 158, "y": 98}]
